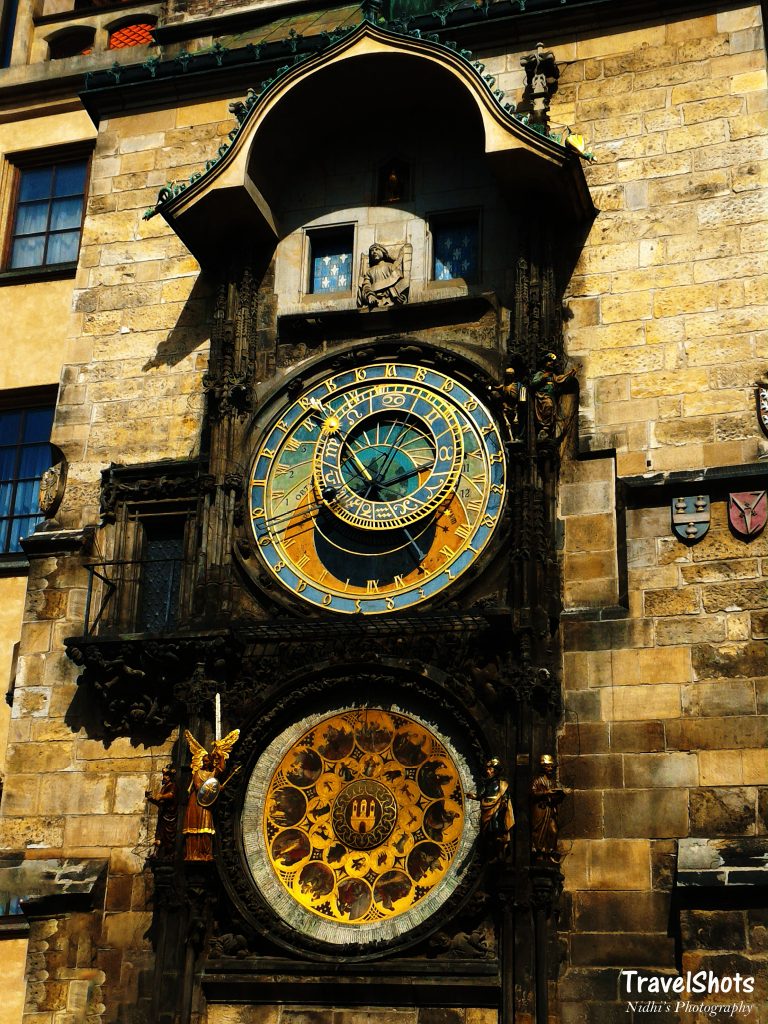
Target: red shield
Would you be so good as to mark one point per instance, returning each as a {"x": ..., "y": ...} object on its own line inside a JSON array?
[{"x": 747, "y": 512}]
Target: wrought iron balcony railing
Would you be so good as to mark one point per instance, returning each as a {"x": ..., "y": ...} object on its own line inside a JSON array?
[{"x": 141, "y": 596}]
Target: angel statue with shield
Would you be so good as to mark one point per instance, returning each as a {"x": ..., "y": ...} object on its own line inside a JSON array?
[{"x": 207, "y": 769}]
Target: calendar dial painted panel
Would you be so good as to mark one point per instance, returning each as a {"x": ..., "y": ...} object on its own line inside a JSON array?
[{"x": 377, "y": 488}]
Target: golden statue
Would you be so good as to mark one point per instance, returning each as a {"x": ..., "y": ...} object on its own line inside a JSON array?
[
  {"x": 204, "y": 789},
  {"x": 497, "y": 818},
  {"x": 546, "y": 797}
]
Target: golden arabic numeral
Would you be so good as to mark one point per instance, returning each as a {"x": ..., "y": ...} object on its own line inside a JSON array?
[
  {"x": 390, "y": 370},
  {"x": 497, "y": 489},
  {"x": 278, "y": 567},
  {"x": 447, "y": 386},
  {"x": 264, "y": 541},
  {"x": 489, "y": 429},
  {"x": 470, "y": 405},
  {"x": 463, "y": 531},
  {"x": 399, "y": 583},
  {"x": 421, "y": 374},
  {"x": 489, "y": 522},
  {"x": 390, "y": 603},
  {"x": 267, "y": 453},
  {"x": 301, "y": 586},
  {"x": 422, "y": 594},
  {"x": 282, "y": 425},
  {"x": 358, "y": 605},
  {"x": 327, "y": 598},
  {"x": 496, "y": 457},
  {"x": 372, "y": 586},
  {"x": 258, "y": 513},
  {"x": 360, "y": 373}
]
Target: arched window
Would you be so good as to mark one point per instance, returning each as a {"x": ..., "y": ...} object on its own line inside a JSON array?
[
  {"x": 132, "y": 33},
  {"x": 72, "y": 43}
]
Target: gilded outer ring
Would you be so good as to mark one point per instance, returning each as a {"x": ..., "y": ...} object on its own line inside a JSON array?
[{"x": 402, "y": 512}]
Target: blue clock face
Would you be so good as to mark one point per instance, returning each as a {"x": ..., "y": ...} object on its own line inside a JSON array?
[{"x": 377, "y": 488}]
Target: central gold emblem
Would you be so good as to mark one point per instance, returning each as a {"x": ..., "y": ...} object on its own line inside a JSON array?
[{"x": 364, "y": 815}]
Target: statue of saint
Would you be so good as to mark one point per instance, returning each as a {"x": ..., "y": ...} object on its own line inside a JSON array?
[
  {"x": 167, "y": 803},
  {"x": 547, "y": 386},
  {"x": 387, "y": 278},
  {"x": 204, "y": 788},
  {"x": 496, "y": 815},
  {"x": 546, "y": 797},
  {"x": 511, "y": 393}
]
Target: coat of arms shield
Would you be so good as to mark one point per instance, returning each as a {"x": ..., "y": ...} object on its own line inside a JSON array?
[
  {"x": 690, "y": 517},
  {"x": 747, "y": 512}
]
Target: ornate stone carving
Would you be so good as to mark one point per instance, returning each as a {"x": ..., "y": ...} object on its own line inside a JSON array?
[
  {"x": 541, "y": 73},
  {"x": 385, "y": 276},
  {"x": 52, "y": 485}
]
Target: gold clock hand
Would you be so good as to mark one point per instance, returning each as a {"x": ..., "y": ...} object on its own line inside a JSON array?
[
  {"x": 363, "y": 470},
  {"x": 404, "y": 476}
]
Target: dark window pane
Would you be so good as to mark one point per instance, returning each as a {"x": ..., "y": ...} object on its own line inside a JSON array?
[
  {"x": 9, "y": 427},
  {"x": 26, "y": 497},
  {"x": 37, "y": 424},
  {"x": 160, "y": 578},
  {"x": 28, "y": 252},
  {"x": 21, "y": 528},
  {"x": 35, "y": 183},
  {"x": 70, "y": 179},
  {"x": 6, "y": 496},
  {"x": 8, "y": 457},
  {"x": 34, "y": 461},
  {"x": 4, "y": 524},
  {"x": 31, "y": 218},
  {"x": 62, "y": 248},
  {"x": 66, "y": 213}
]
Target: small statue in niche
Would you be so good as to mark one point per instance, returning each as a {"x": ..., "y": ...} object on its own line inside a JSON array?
[
  {"x": 385, "y": 277},
  {"x": 511, "y": 393},
  {"x": 497, "y": 818},
  {"x": 167, "y": 803},
  {"x": 203, "y": 790},
  {"x": 547, "y": 387},
  {"x": 546, "y": 797},
  {"x": 393, "y": 181}
]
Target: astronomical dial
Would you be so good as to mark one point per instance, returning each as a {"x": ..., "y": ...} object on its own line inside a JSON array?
[{"x": 377, "y": 488}]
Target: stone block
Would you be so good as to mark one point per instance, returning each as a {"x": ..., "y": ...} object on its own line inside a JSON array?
[
  {"x": 102, "y": 830},
  {"x": 725, "y": 697},
  {"x": 75, "y": 793},
  {"x": 590, "y": 532},
  {"x": 618, "y": 864},
  {"x": 755, "y": 767},
  {"x": 36, "y": 832},
  {"x": 584, "y": 737},
  {"x": 630, "y": 949},
  {"x": 592, "y": 771},
  {"x": 661, "y": 770},
  {"x": 734, "y": 596},
  {"x": 630, "y": 813},
  {"x": 713, "y": 929},
  {"x": 690, "y": 629},
  {"x": 723, "y": 811},
  {"x": 717, "y": 733},
  {"x": 720, "y": 570},
  {"x": 627, "y": 737},
  {"x": 729, "y": 660},
  {"x": 720, "y": 768},
  {"x": 621, "y": 911},
  {"x": 671, "y": 602},
  {"x": 582, "y": 815},
  {"x": 640, "y": 703}
]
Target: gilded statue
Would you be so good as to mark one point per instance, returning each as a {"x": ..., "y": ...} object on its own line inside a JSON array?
[
  {"x": 497, "y": 818},
  {"x": 207, "y": 769},
  {"x": 546, "y": 797},
  {"x": 547, "y": 387},
  {"x": 386, "y": 278},
  {"x": 511, "y": 393},
  {"x": 167, "y": 803}
]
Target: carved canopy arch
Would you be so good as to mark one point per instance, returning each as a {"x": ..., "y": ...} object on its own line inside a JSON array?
[{"x": 236, "y": 195}]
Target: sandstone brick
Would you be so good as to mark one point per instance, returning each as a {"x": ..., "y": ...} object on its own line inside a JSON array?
[
  {"x": 723, "y": 811},
  {"x": 637, "y": 736},
  {"x": 662, "y": 770},
  {"x": 755, "y": 767},
  {"x": 638, "y": 703},
  {"x": 729, "y": 660},
  {"x": 630, "y": 813},
  {"x": 720, "y": 768},
  {"x": 589, "y": 533},
  {"x": 672, "y": 602},
  {"x": 620, "y": 308},
  {"x": 716, "y": 733},
  {"x": 651, "y": 385},
  {"x": 618, "y": 864},
  {"x": 725, "y": 697},
  {"x": 74, "y": 793}
]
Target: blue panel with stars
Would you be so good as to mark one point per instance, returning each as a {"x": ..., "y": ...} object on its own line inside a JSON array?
[
  {"x": 455, "y": 250},
  {"x": 331, "y": 264}
]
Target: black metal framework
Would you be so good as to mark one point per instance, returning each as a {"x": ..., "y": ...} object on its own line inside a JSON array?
[
  {"x": 141, "y": 596},
  {"x": 25, "y": 454}
]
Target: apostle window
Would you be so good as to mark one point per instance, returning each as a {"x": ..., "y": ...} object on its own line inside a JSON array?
[
  {"x": 330, "y": 260},
  {"x": 48, "y": 214},
  {"x": 25, "y": 454},
  {"x": 455, "y": 247}
]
